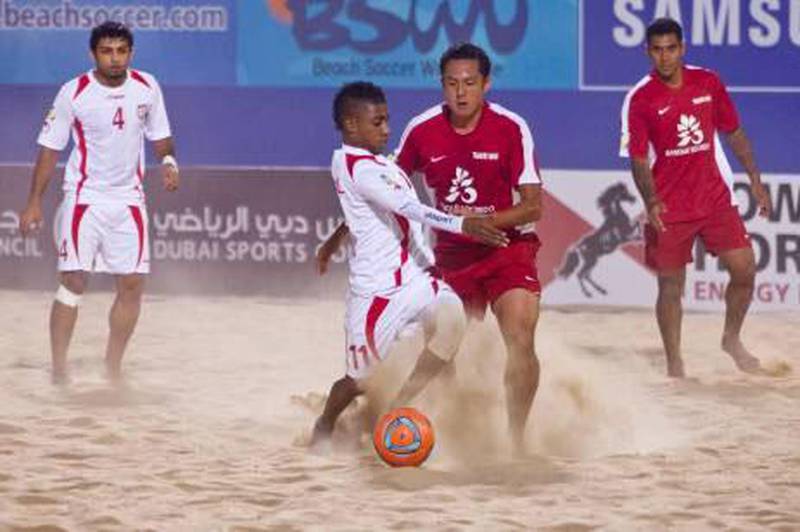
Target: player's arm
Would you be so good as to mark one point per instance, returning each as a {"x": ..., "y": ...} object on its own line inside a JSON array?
[
  {"x": 643, "y": 177},
  {"x": 375, "y": 190},
  {"x": 331, "y": 246},
  {"x": 743, "y": 150},
  {"x": 634, "y": 144},
  {"x": 525, "y": 178},
  {"x": 528, "y": 209},
  {"x": 53, "y": 138},
  {"x": 31, "y": 216},
  {"x": 165, "y": 152}
]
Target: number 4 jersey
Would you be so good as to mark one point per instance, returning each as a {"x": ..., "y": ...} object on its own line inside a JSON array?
[{"x": 108, "y": 126}]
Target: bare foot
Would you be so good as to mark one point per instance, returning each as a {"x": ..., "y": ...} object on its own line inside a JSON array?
[
  {"x": 320, "y": 438},
  {"x": 743, "y": 359},
  {"x": 59, "y": 377},
  {"x": 675, "y": 368}
]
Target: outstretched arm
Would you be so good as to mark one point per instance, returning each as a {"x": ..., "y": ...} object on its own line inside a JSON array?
[
  {"x": 31, "y": 215},
  {"x": 386, "y": 196},
  {"x": 743, "y": 151}
]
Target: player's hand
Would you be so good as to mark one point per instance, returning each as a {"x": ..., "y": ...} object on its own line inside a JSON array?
[
  {"x": 655, "y": 208},
  {"x": 481, "y": 229},
  {"x": 170, "y": 176},
  {"x": 30, "y": 219},
  {"x": 323, "y": 258},
  {"x": 762, "y": 198}
]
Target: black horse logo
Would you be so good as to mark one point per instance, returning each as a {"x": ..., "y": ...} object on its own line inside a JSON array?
[{"x": 617, "y": 229}]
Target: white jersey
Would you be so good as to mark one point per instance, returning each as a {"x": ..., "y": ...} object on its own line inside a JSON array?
[
  {"x": 108, "y": 126},
  {"x": 387, "y": 248}
]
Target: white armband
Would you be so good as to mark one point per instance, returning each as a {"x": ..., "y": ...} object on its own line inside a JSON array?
[{"x": 170, "y": 160}]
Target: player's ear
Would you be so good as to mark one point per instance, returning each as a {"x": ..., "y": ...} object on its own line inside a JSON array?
[
  {"x": 487, "y": 84},
  {"x": 349, "y": 124}
]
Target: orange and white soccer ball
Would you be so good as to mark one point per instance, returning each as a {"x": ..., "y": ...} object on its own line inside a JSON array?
[{"x": 403, "y": 437}]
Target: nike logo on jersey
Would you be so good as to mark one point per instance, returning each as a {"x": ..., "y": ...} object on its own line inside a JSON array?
[
  {"x": 664, "y": 110},
  {"x": 438, "y": 158}
]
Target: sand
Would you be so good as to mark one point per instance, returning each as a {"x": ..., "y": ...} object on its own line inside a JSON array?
[{"x": 208, "y": 430}]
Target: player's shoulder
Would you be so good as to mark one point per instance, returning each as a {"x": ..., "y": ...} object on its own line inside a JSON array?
[
  {"x": 641, "y": 89},
  {"x": 143, "y": 79},
  {"x": 702, "y": 75},
  {"x": 357, "y": 161},
  {"x": 506, "y": 117},
  {"x": 76, "y": 87},
  {"x": 426, "y": 119}
]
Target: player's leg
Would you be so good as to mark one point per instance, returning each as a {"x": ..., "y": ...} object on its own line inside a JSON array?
[
  {"x": 63, "y": 315},
  {"x": 125, "y": 253},
  {"x": 342, "y": 393},
  {"x": 725, "y": 236},
  {"x": 444, "y": 323},
  {"x": 366, "y": 342},
  {"x": 77, "y": 233},
  {"x": 667, "y": 253},
  {"x": 122, "y": 319},
  {"x": 517, "y": 312},
  {"x": 740, "y": 264},
  {"x": 669, "y": 314}
]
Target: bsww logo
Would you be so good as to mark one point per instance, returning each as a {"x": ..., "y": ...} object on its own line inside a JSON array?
[{"x": 325, "y": 25}]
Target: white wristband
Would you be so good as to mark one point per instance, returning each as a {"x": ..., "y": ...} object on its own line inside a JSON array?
[{"x": 170, "y": 160}]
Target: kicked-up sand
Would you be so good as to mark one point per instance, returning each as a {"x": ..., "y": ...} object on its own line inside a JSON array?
[{"x": 208, "y": 430}]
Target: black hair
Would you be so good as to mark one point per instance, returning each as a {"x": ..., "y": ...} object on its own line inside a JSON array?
[
  {"x": 110, "y": 30},
  {"x": 352, "y": 94},
  {"x": 466, "y": 50},
  {"x": 664, "y": 26}
]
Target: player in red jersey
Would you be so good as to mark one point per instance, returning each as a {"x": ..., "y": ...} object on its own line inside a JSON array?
[
  {"x": 671, "y": 122},
  {"x": 478, "y": 158},
  {"x": 101, "y": 224}
]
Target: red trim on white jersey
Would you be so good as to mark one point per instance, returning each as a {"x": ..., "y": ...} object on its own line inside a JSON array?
[
  {"x": 138, "y": 77},
  {"x": 83, "y": 152},
  {"x": 137, "y": 218},
  {"x": 353, "y": 159},
  {"x": 402, "y": 221},
  {"x": 377, "y": 307},
  {"x": 77, "y": 216},
  {"x": 83, "y": 82}
]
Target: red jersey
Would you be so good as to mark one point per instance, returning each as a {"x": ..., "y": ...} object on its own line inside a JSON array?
[
  {"x": 477, "y": 172},
  {"x": 677, "y": 129}
]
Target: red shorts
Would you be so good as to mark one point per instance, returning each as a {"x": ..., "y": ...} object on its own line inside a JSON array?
[
  {"x": 485, "y": 279},
  {"x": 671, "y": 249}
]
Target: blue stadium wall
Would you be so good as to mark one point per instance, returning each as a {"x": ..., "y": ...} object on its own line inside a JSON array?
[{"x": 256, "y": 92}]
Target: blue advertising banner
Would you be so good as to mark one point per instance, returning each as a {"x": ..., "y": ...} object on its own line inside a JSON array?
[
  {"x": 754, "y": 45},
  {"x": 185, "y": 42},
  {"x": 397, "y": 43}
]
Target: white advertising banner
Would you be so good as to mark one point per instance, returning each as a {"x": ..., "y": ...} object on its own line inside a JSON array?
[{"x": 593, "y": 248}]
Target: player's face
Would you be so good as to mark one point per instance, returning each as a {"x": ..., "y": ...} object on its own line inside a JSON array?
[
  {"x": 112, "y": 57},
  {"x": 666, "y": 53},
  {"x": 464, "y": 88},
  {"x": 369, "y": 127}
]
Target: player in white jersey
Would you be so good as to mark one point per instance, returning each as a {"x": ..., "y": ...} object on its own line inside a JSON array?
[
  {"x": 101, "y": 224},
  {"x": 390, "y": 283}
]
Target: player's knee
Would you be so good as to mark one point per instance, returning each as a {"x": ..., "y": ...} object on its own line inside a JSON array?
[
  {"x": 130, "y": 286},
  {"x": 446, "y": 330},
  {"x": 75, "y": 282},
  {"x": 67, "y": 297}
]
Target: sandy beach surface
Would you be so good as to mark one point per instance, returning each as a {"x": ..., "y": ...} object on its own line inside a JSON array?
[{"x": 208, "y": 430}]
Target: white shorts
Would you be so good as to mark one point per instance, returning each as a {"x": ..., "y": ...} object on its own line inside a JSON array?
[
  {"x": 372, "y": 324},
  {"x": 102, "y": 237}
]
